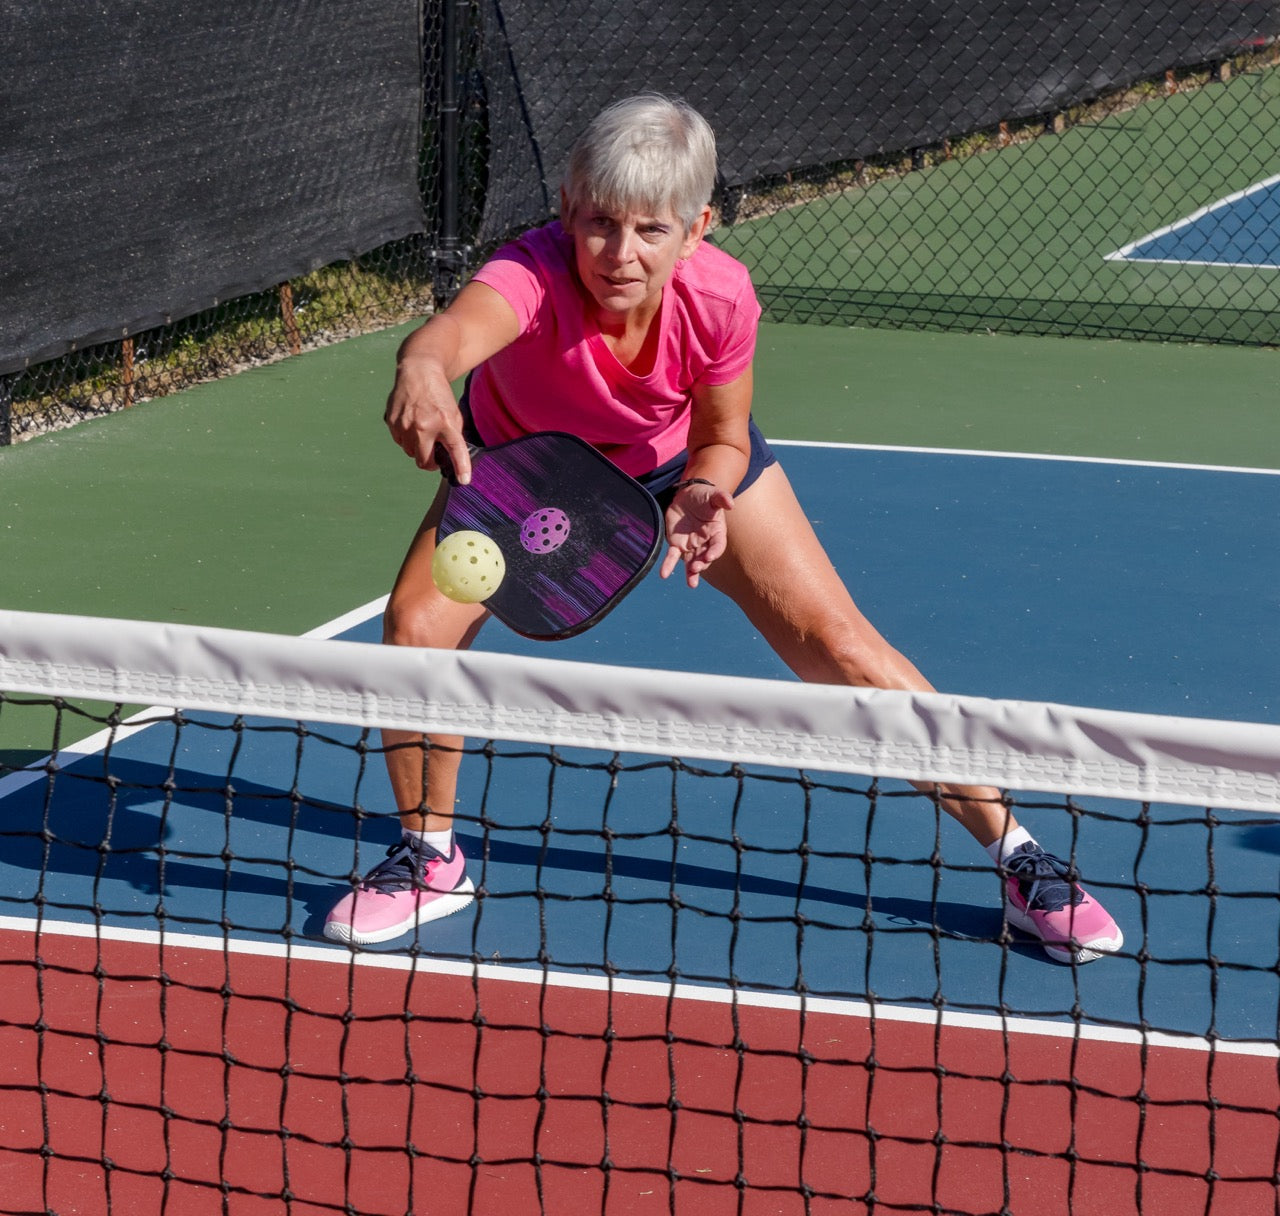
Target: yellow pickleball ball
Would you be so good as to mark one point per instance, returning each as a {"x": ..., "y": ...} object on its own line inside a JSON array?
[{"x": 468, "y": 567}]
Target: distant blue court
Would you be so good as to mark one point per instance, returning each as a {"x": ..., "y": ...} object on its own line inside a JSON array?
[{"x": 1242, "y": 229}]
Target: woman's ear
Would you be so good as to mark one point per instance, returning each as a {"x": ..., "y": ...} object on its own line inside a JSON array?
[{"x": 695, "y": 234}]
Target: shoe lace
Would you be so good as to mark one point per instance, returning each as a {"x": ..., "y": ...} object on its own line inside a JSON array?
[
  {"x": 403, "y": 870},
  {"x": 1042, "y": 879}
]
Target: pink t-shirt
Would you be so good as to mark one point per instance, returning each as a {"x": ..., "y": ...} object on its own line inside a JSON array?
[{"x": 560, "y": 375}]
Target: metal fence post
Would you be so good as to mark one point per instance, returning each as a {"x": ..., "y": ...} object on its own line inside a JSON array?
[
  {"x": 6, "y": 411},
  {"x": 449, "y": 259}
]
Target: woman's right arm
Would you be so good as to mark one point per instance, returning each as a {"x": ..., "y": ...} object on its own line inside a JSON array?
[{"x": 421, "y": 410}]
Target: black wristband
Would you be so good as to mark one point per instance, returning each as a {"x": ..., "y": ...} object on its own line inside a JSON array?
[{"x": 692, "y": 481}]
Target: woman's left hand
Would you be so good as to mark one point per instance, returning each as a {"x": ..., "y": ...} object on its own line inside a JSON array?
[{"x": 696, "y": 529}]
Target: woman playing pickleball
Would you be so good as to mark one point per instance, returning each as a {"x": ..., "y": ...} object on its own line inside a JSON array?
[{"x": 621, "y": 324}]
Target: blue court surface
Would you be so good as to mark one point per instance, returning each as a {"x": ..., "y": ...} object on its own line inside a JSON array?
[
  {"x": 1142, "y": 588},
  {"x": 1241, "y": 230}
]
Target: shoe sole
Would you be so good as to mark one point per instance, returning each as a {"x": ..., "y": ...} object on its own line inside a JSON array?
[
  {"x": 457, "y": 899},
  {"x": 1062, "y": 952}
]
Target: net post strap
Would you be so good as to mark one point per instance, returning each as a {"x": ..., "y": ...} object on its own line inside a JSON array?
[{"x": 909, "y": 735}]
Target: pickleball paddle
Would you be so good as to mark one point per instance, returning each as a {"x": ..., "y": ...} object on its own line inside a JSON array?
[{"x": 575, "y": 532}]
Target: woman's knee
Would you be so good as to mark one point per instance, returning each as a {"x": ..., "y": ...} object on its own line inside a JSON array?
[
  {"x": 430, "y": 622},
  {"x": 866, "y": 661},
  {"x": 403, "y": 623},
  {"x": 841, "y": 648}
]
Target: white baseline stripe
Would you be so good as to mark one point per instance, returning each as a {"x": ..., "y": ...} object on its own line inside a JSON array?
[
  {"x": 342, "y": 956},
  {"x": 1201, "y": 262},
  {"x": 1045, "y": 456}
]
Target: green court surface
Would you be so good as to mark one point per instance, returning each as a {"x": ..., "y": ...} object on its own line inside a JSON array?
[
  {"x": 1068, "y": 397},
  {"x": 275, "y": 500},
  {"x": 1016, "y": 238}
]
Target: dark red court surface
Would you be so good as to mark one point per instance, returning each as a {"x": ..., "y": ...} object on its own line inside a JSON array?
[{"x": 291, "y": 1096}]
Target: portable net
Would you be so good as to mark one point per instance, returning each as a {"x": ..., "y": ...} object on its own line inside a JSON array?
[{"x": 723, "y": 958}]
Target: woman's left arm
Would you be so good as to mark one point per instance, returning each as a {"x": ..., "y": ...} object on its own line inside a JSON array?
[{"x": 719, "y": 450}]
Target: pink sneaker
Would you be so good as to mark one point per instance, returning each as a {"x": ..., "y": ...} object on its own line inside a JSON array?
[
  {"x": 1042, "y": 900},
  {"x": 415, "y": 884}
]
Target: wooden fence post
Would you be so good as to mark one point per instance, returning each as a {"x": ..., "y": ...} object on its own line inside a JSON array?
[
  {"x": 291, "y": 332},
  {"x": 127, "y": 370}
]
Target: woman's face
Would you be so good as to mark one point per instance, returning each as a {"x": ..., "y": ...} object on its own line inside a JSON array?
[{"x": 626, "y": 258}]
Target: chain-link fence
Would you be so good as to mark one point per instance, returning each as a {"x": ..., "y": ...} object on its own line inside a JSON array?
[
  {"x": 167, "y": 153},
  {"x": 1149, "y": 211},
  {"x": 391, "y": 284},
  {"x": 1035, "y": 166},
  {"x": 1044, "y": 167}
]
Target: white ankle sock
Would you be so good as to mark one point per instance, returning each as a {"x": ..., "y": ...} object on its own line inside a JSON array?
[
  {"x": 998, "y": 850},
  {"x": 442, "y": 842}
]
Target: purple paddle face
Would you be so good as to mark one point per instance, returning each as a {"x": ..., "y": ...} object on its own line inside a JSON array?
[{"x": 576, "y": 533}]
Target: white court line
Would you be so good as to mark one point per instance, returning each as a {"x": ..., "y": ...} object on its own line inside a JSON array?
[
  {"x": 348, "y": 620},
  {"x": 1204, "y": 262},
  {"x": 1045, "y": 456},
  {"x": 344, "y": 956}
]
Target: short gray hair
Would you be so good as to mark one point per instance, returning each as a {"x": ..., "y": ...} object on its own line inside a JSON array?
[{"x": 645, "y": 153}]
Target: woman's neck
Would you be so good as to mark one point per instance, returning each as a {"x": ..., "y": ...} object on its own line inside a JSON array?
[{"x": 632, "y": 337}]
